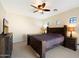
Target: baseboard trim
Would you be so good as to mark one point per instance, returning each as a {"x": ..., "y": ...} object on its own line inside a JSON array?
[{"x": 78, "y": 46}]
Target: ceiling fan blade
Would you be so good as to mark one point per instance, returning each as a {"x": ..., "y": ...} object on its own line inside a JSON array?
[
  {"x": 35, "y": 11},
  {"x": 33, "y": 6},
  {"x": 43, "y": 5},
  {"x": 46, "y": 10}
]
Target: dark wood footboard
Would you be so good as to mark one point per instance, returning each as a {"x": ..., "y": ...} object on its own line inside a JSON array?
[{"x": 38, "y": 46}]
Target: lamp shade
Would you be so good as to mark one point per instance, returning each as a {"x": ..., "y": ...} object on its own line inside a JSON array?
[{"x": 71, "y": 29}]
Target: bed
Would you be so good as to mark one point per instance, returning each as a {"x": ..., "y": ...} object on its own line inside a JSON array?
[{"x": 43, "y": 42}]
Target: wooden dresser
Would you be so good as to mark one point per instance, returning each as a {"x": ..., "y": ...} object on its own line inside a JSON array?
[{"x": 6, "y": 45}]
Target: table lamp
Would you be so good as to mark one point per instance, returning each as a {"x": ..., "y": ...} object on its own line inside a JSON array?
[
  {"x": 44, "y": 28},
  {"x": 71, "y": 29}
]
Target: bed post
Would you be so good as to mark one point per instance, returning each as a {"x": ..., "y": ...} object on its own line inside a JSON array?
[
  {"x": 42, "y": 55},
  {"x": 65, "y": 30},
  {"x": 28, "y": 40}
]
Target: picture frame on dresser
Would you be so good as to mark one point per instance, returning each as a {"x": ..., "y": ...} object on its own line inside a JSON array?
[{"x": 5, "y": 26}]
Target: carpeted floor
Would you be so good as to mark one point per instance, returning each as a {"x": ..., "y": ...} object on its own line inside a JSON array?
[{"x": 21, "y": 50}]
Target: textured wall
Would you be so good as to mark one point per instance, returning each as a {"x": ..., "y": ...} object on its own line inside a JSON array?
[
  {"x": 22, "y": 25},
  {"x": 2, "y": 14}
]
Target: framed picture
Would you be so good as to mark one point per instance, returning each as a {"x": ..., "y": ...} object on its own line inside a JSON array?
[
  {"x": 5, "y": 26},
  {"x": 73, "y": 20}
]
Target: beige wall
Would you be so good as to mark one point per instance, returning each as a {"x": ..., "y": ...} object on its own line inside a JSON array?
[
  {"x": 2, "y": 14},
  {"x": 64, "y": 19},
  {"x": 22, "y": 25}
]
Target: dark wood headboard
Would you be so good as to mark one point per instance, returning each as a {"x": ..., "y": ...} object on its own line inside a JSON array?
[{"x": 59, "y": 30}]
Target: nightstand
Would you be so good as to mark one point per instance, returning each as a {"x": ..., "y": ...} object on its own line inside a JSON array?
[{"x": 70, "y": 42}]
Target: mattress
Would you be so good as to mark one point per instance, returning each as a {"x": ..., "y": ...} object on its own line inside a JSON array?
[{"x": 50, "y": 38}]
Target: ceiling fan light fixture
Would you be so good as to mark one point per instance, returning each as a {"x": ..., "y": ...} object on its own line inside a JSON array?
[{"x": 40, "y": 10}]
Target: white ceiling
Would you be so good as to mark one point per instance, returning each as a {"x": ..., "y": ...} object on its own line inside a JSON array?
[{"x": 23, "y": 7}]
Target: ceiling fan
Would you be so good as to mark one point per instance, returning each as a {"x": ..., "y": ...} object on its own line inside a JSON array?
[{"x": 40, "y": 8}]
